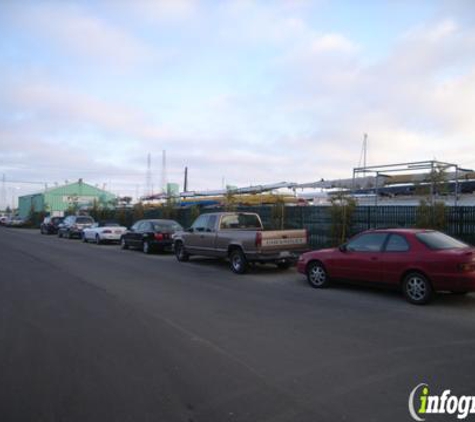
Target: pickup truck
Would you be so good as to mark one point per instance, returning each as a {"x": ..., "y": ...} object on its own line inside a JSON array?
[{"x": 240, "y": 237}]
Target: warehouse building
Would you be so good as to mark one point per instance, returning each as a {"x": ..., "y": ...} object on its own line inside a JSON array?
[{"x": 56, "y": 201}]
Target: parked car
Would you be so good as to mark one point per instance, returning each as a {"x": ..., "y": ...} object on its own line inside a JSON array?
[
  {"x": 50, "y": 225},
  {"x": 4, "y": 220},
  {"x": 73, "y": 225},
  {"x": 103, "y": 231},
  {"x": 150, "y": 235},
  {"x": 241, "y": 238},
  {"x": 16, "y": 222},
  {"x": 420, "y": 262}
]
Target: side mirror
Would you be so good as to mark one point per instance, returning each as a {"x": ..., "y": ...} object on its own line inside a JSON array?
[{"x": 343, "y": 248}]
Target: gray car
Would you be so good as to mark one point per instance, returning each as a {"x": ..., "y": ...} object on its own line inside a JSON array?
[{"x": 73, "y": 225}]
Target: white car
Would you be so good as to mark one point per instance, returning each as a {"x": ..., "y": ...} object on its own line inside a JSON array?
[{"x": 104, "y": 231}]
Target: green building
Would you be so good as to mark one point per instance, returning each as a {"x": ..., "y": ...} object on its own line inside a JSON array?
[
  {"x": 56, "y": 201},
  {"x": 173, "y": 189}
]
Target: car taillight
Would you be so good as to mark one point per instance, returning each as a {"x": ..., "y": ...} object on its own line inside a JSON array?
[
  {"x": 159, "y": 236},
  {"x": 467, "y": 267},
  {"x": 258, "y": 239}
]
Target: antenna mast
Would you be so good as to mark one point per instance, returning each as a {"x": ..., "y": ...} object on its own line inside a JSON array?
[
  {"x": 148, "y": 176},
  {"x": 164, "y": 171}
]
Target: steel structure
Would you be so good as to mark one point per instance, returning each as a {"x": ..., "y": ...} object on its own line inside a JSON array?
[{"x": 417, "y": 166}]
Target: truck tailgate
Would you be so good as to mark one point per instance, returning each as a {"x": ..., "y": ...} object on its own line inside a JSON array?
[{"x": 283, "y": 240}]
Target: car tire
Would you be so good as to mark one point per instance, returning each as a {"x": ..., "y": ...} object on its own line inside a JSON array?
[
  {"x": 180, "y": 252},
  {"x": 84, "y": 238},
  {"x": 238, "y": 261},
  {"x": 417, "y": 288},
  {"x": 98, "y": 240},
  {"x": 284, "y": 265},
  {"x": 317, "y": 275},
  {"x": 123, "y": 243},
  {"x": 60, "y": 235},
  {"x": 146, "y": 247}
]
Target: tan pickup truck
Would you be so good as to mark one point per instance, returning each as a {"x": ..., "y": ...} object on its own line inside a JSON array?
[{"x": 240, "y": 237}]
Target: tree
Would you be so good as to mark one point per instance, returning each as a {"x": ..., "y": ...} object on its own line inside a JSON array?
[
  {"x": 229, "y": 201},
  {"x": 138, "y": 211},
  {"x": 341, "y": 211},
  {"x": 431, "y": 216},
  {"x": 278, "y": 213}
]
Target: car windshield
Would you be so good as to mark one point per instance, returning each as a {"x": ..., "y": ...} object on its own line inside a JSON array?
[
  {"x": 440, "y": 241},
  {"x": 167, "y": 226},
  {"x": 83, "y": 220}
]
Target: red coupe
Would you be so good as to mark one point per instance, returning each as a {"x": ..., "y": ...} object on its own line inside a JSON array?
[{"x": 421, "y": 262}]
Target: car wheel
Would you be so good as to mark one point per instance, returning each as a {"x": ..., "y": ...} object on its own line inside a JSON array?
[
  {"x": 417, "y": 288},
  {"x": 317, "y": 275},
  {"x": 180, "y": 252},
  {"x": 238, "y": 261},
  {"x": 98, "y": 240},
  {"x": 284, "y": 265},
  {"x": 70, "y": 236},
  {"x": 123, "y": 243},
  {"x": 146, "y": 248},
  {"x": 60, "y": 234},
  {"x": 84, "y": 239}
]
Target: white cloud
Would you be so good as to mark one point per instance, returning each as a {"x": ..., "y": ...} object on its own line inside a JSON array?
[
  {"x": 333, "y": 43},
  {"x": 79, "y": 33}
]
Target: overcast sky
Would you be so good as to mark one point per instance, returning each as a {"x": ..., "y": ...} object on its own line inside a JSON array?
[{"x": 250, "y": 91}]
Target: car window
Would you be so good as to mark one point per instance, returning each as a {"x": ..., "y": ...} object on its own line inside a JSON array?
[
  {"x": 240, "y": 221},
  {"x": 397, "y": 243},
  {"x": 146, "y": 226},
  {"x": 84, "y": 220},
  {"x": 211, "y": 223},
  {"x": 440, "y": 241},
  {"x": 136, "y": 226},
  {"x": 370, "y": 242},
  {"x": 167, "y": 226},
  {"x": 201, "y": 223}
]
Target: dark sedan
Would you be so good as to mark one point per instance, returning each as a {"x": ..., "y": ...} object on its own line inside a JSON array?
[
  {"x": 420, "y": 262},
  {"x": 150, "y": 235}
]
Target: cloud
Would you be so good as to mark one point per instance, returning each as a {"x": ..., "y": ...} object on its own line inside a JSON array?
[
  {"x": 333, "y": 43},
  {"x": 76, "y": 32},
  {"x": 262, "y": 95}
]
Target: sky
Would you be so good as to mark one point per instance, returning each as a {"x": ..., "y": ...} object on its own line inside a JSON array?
[{"x": 241, "y": 92}]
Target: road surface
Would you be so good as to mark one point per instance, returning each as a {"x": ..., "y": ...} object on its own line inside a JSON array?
[{"x": 95, "y": 333}]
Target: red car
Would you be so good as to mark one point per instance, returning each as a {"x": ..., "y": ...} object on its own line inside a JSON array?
[{"x": 421, "y": 262}]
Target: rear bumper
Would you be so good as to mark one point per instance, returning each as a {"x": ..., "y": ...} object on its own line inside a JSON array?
[
  {"x": 162, "y": 244},
  {"x": 111, "y": 237},
  {"x": 273, "y": 256}
]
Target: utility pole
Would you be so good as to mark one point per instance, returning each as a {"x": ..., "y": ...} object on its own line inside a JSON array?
[
  {"x": 148, "y": 176},
  {"x": 164, "y": 171},
  {"x": 365, "y": 151},
  {"x": 4, "y": 193}
]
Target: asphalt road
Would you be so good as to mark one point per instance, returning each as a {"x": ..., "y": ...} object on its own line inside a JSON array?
[{"x": 94, "y": 333}]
